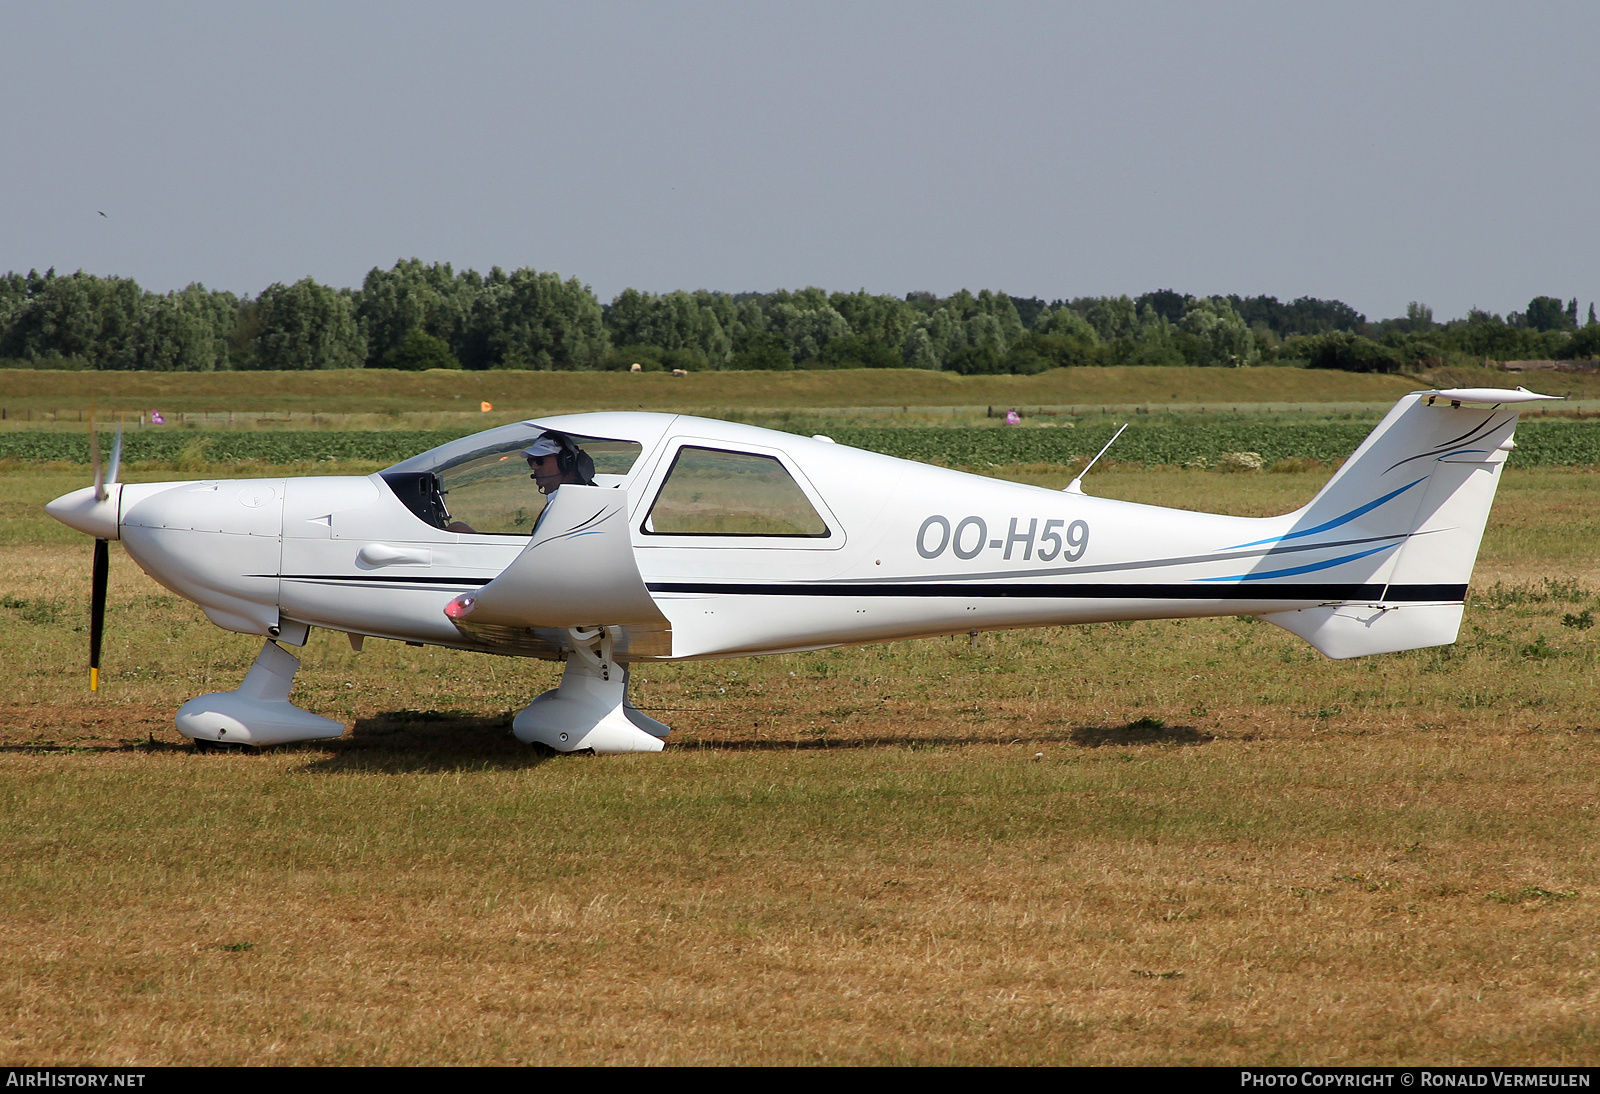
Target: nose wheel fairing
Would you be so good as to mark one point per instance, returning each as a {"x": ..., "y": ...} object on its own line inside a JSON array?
[{"x": 258, "y": 712}]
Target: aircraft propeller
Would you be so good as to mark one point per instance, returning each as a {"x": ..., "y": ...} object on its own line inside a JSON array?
[{"x": 101, "y": 571}]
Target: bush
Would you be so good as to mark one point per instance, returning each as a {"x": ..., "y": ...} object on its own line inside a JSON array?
[
  {"x": 65, "y": 364},
  {"x": 419, "y": 350},
  {"x": 1582, "y": 346},
  {"x": 1023, "y": 360},
  {"x": 623, "y": 358},
  {"x": 1056, "y": 350},
  {"x": 1346, "y": 352},
  {"x": 686, "y": 359},
  {"x": 857, "y": 352},
  {"x": 1240, "y": 461},
  {"x": 762, "y": 351},
  {"x": 1154, "y": 354},
  {"x": 1419, "y": 353},
  {"x": 976, "y": 361}
]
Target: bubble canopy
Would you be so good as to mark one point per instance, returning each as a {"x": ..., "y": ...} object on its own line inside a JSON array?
[{"x": 480, "y": 484}]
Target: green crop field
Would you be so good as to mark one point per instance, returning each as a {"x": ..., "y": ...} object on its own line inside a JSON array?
[
  {"x": 1193, "y": 842},
  {"x": 1539, "y": 444}
]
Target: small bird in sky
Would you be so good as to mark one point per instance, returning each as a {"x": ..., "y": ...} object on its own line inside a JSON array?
[{"x": 102, "y": 214}]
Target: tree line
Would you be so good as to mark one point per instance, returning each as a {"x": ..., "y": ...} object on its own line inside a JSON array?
[{"x": 417, "y": 316}]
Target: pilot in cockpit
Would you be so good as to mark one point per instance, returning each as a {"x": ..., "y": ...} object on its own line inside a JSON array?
[{"x": 555, "y": 460}]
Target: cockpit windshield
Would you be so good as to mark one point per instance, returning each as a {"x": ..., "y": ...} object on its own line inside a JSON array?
[{"x": 482, "y": 484}]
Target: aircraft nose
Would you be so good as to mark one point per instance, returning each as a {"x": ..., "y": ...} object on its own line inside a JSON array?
[{"x": 80, "y": 510}]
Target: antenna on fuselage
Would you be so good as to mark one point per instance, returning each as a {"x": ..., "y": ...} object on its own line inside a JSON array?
[{"x": 1076, "y": 485}]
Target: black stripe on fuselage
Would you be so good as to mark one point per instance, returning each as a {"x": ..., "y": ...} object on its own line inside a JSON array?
[
  {"x": 1319, "y": 593},
  {"x": 384, "y": 579},
  {"x": 1430, "y": 594},
  {"x": 1306, "y": 591}
]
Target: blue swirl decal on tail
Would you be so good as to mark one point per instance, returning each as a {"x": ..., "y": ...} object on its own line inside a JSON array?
[
  {"x": 1334, "y": 523},
  {"x": 1292, "y": 571}
]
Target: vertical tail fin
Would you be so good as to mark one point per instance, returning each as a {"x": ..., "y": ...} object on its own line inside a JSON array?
[{"x": 1418, "y": 491}]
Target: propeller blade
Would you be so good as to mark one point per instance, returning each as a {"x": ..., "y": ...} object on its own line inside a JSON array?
[
  {"x": 97, "y": 608},
  {"x": 94, "y": 457},
  {"x": 116, "y": 459}
]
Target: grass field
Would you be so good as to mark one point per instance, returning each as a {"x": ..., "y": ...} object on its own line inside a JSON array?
[
  {"x": 385, "y": 389},
  {"x": 382, "y": 398},
  {"x": 1154, "y": 843}
]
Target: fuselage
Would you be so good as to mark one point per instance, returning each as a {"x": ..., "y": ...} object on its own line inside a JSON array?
[{"x": 747, "y": 540}]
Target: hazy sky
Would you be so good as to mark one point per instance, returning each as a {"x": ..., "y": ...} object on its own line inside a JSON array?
[{"x": 1373, "y": 152}]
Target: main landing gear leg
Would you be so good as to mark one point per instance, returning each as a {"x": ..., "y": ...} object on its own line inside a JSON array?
[
  {"x": 259, "y": 712},
  {"x": 590, "y": 707}
]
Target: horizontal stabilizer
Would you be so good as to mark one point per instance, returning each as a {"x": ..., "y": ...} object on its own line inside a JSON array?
[
  {"x": 1493, "y": 395},
  {"x": 1354, "y": 630}
]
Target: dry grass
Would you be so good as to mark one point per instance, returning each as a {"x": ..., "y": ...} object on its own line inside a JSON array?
[
  {"x": 1192, "y": 842},
  {"x": 1241, "y": 902}
]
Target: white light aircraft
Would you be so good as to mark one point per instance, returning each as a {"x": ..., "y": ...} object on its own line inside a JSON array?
[{"x": 693, "y": 538}]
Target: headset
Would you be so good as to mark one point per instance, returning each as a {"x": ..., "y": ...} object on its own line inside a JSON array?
[{"x": 572, "y": 460}]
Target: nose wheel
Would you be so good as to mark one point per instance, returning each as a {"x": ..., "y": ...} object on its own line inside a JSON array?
[{"x": 203, "y": 745}]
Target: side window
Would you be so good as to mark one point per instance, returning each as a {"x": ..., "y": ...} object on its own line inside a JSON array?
[{"x": 709, "y": 492}]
